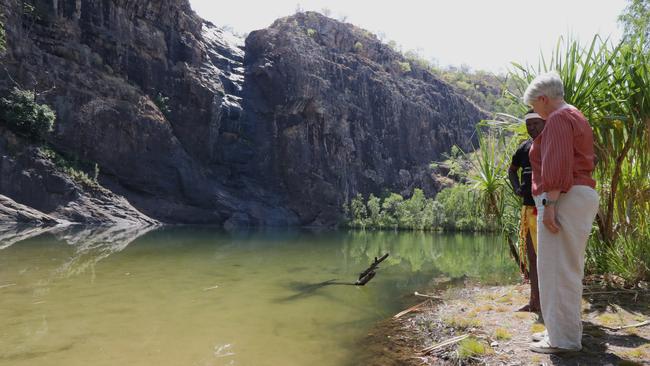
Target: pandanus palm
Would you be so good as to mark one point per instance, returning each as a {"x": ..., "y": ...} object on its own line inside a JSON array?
[{"x": 610, "y": 86}]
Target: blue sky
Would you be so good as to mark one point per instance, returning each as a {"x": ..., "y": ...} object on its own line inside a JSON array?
[{"x": 482, "y": 34}]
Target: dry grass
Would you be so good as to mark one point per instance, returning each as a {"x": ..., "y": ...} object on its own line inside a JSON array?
[
  {"x": 637, "y": 353},
  {"x": 484, "y": 308},
  {"x": 522, "y": 315},
  {"x": 537, "y": 328},
  {"x": 610, "y": 320},
  {"x": 485, "y": 314},
  {"x": 502, "y": 309},
  {"x": 502, "y": 334},
  {"x": 463, "y": 323}
]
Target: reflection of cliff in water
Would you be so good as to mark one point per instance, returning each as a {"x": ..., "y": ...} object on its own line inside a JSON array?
[
  {"x": 477, "y": 256},
  {"x": 12, "y": 234},
  {"x": 90, "y": 244}
]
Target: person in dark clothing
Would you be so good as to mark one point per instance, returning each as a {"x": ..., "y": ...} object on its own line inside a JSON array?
[{"x": 522, "y": 186}]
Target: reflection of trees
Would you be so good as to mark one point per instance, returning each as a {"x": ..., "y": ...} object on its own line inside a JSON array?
[
  {"x": 94, "y": 243},
  {"x": 455, "y": 255}
]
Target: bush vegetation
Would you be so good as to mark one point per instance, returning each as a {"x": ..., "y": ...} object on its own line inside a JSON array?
[
  {"x": 20, "y": 112},
  {"x": 3, "y": 41},
  {"x": 83, "y": 172},
  {"x": 610, "y": 84},
  {"x": 162, "y": 102}
]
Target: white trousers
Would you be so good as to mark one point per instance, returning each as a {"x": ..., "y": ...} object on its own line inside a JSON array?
[{"x": 561, "y": 262}]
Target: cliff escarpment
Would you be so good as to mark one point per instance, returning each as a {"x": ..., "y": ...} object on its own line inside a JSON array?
[{"x": 188, "y": 124}]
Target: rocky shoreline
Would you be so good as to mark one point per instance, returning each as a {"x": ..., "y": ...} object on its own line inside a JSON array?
[{"x": 493, "y": 333}]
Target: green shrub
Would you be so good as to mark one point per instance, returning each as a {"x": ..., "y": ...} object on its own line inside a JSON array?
[
  {"x": 405, "y": 66},
  {"x": 628, "y": 257},
  {"x": 20, "y": 112},
  {"x": 358, "y": 212},
  {"x": 395, "y": 212},
  {"x": 162, "y": 102},
  {"x": 311, "y": 32},
  {"x": 3, "y": 41},
  {"x": 358, "y": 47},
  {"x": 74, "y": 168}
]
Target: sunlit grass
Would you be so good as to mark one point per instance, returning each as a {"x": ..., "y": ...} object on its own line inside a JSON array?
[
  {"x": 610, "y": 320},
  {"x": 522, "y": 315},
  {"x": 537, "y": 328},
  {"x": 462, "y": 322},
  {"x": 632, "y": 331},
  {"x": 489, "y": 296},
  {"x": 471, "y": 347},
  {"x": 502, "y": 334},
  {"x": 537, "y": 359},
  {"x": 637, "y": 353},
  {"x": 484, "y": 308},
  {"x": 506, "y": 299}
]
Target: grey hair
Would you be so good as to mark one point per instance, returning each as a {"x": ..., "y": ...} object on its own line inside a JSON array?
[{"x": 548, "y": 84}]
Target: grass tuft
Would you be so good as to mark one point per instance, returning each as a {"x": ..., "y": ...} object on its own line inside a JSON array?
[
  {"x": 462, "y": 322},
  {"x": 502, "y": 334},
  {"x": 471, "y": 347},
  {"x": 537, "y": 328}
]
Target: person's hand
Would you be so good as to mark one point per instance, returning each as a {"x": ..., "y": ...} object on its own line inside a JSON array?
[{"x": 549, "y": 219}]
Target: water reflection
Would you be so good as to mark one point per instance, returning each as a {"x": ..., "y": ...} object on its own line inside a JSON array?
[
  {"x": 454, "y": 255},
  {"x": 12, "y": 234},
  {"x": 199, "y": 296},
  {"x": 90, "y": 244},
  {"x": 93, "y": 244}
]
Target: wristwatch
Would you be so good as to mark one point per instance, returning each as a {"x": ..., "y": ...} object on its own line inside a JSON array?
[{"x": 547, "y": 202}]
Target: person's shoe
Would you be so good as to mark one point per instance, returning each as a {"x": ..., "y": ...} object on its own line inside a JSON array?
[
  {"x": 537, "y": 337},
  {"x": 544, "y": 347}
]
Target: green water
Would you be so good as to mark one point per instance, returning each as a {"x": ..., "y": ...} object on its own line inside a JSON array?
[{"x": 197, "y": 296}]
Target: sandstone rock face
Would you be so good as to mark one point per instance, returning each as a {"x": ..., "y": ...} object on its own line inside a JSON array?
[
  {"x": 190, "y": 125},
  {"x": 15, "y": 213},
  {"x": 345, "y": 114},
  {"x": 26, "y": 173}
]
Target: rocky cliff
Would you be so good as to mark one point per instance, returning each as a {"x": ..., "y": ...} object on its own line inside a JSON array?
[{"x": 191, "y": 125}]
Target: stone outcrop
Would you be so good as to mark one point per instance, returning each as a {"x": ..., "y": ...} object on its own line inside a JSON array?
[
  {"x": 345, "y": 114},
  {"x": 190, "y": 125},
  {"x": 12, "y": 212},
  {"x": 27, "y": 173}
]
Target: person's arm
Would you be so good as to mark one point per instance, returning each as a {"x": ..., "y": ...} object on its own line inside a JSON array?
[
  {"x": 557, "y": 165},
  {"x": 550, "y": 211},
  {"x": 513, "y": 176},
  {"x": 513, "y": 171}
]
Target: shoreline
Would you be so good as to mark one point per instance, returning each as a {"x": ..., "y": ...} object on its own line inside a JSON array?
[{"x": 478, "y": 324}]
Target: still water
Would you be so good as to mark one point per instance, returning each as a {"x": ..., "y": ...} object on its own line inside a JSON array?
[{"x": 199, "y": 296}]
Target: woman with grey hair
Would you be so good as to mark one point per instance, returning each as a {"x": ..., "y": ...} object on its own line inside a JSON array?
[{"x": 562, "y": 160}]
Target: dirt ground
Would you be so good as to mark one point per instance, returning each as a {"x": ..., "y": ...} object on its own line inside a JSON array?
[{"x": 499, "y": 335}]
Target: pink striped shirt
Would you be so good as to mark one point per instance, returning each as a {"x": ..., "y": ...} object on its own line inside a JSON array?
[{"x": 563, "y": 154}]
